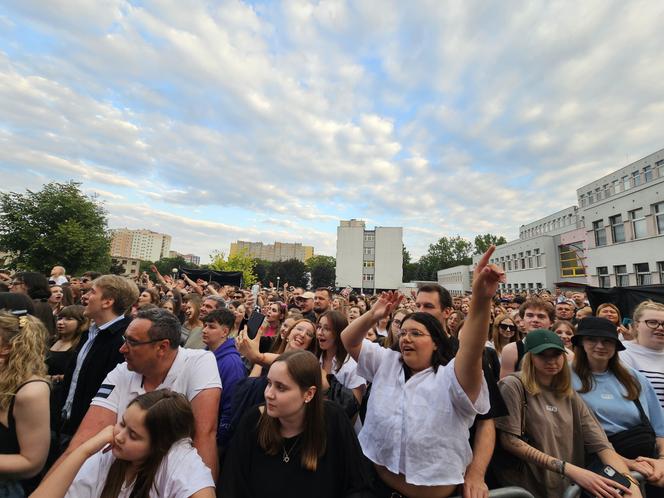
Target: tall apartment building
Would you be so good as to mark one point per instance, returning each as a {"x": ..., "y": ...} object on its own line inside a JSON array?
[
  {"x": 615, "y": 237},
  {"x": 145, "y": 245},
  {"x": 279, "y": 251},
  {"x": 371, "y": 260},
  {"x": 189, "y": 258}
]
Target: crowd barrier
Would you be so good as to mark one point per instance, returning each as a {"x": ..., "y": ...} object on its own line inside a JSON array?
[{"x": 574, "y": 491}]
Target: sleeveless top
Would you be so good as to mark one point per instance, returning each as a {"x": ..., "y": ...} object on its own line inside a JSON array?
[{"x": 8, "y": 438}]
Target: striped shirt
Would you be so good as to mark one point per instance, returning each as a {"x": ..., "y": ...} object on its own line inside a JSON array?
[{"x": 649, "y": 362}]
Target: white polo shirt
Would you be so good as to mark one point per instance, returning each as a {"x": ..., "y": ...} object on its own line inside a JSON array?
[
  {"x": 417, "y": 428},
  {"x": 192, "y": 371},
  {"x": 181, "y": 474}
]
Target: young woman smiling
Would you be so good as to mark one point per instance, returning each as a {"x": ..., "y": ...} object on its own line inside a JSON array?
[
  {"x": 296, "y": 444},
  {"x": 541, "y": 402},
  {"x": 646, "y": 353},
  {"x": 504, "y": 331},
  {"x": 621, "y": 398},
  {"x": 423, "y": 402}
]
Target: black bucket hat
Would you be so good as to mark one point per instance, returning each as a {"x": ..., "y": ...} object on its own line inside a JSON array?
[{"x": 594, "y": 326}]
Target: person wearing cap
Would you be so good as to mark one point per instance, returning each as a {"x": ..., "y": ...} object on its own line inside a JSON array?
[
  {"x": 306, "y": 304},
  {"x": 617, "y": 394},
  {"x": 550, "y": 429}
]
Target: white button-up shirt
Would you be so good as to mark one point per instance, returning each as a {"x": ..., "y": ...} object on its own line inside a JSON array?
[{"x": 417, "y": 428}]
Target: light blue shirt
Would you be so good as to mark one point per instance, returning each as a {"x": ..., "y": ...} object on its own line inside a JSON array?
[
  {"x": 93, "y": 331},
  {"x": 614, "y": 412}
]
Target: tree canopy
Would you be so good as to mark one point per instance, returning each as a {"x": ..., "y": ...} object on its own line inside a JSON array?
[
  {"x": 482, "y": 242},
  {"x": 57, "y": 225},
  {"x": 238, "y": 262},
  {"x": 323, "y": 271}
]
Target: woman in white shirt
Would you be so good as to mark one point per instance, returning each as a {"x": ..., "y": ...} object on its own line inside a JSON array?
[
  {"x": 147, "y": 454},
  {"x": 334, "y": 359},
  {"x": 423, "y": 400}
]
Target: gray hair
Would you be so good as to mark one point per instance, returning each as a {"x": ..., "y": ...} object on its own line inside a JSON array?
[
  {"x": 165, "y": 325},
  {"x": 221, "y": 302}
]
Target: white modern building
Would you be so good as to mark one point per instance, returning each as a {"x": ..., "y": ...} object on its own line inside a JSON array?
[
  {"x": 457, "y": 280},
  {"x": 145, "y": 245},
  {"x": 615, "y": 237},
  {"x": 369, "y": 260},
  {"x": 624, "y": 219}
]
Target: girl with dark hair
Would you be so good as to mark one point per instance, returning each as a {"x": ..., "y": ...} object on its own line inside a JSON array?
[
  {"x": 276, "y": 314},
  {"x": 423, "y": 399},
  {"x": 55, "y": 299},
  {"x": 70, "y": 325},
  {"x": 334, "y": 359},
  {"x": 621, "y": 397},
  {"x": 296, "y": 444},
  {"x": 176, "y": 296},
  {"x": 35, "y": 285},
  {"x": 148, "y": 453}
]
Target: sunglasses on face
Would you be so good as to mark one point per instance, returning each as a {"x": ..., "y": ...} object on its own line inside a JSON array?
[{"x": 505, "y": 326}]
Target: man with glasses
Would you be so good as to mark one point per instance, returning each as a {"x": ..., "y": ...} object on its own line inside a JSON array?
[
  {"x": 97, "y": 353},
  {"x": 154, "y": 360}
]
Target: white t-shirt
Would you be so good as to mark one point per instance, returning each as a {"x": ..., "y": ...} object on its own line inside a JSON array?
[
  {"x": 647, "y": 361},
  {"x": 417, "y": 428},
  {"x": 347, "y": 374},
  {"x": 181, "y": 474},
  {"x": 192, "y": 371}
]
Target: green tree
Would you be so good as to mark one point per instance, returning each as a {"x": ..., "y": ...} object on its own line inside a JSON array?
[
  {"x": 263, "y": 269},
  {"x": 165, "y": 265},
  {"x": 291, "y": 271},
  {"x": 482, "y": 242},
  {"x": 57, "y": 225},
  {"x": 323, "y": 271},
  {"x": 447, "y": 252},
  {"x": 239, "y": 262},
  {"x": 410, "y": 268}
]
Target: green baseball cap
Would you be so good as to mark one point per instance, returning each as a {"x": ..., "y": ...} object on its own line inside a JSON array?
[{"x": 540, "y": 340}]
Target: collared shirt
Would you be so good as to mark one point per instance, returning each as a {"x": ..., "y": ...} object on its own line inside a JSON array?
[
  {"x": 347, "y": 374},
  {"x": 93, "y": 331},
  {"x": 192, "y": 371},
  {"x": 418, "y": 428}
]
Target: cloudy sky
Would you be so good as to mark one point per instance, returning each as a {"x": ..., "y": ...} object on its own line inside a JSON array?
[{"x": 221, "y": 120}]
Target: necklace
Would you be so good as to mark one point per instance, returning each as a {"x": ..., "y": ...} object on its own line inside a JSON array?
[{"x": 286, "y": 454}]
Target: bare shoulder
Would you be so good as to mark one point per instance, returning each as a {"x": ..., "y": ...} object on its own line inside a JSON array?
[{"x": 33, "y": 390}]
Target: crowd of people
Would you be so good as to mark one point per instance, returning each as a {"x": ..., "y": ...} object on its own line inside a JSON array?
[{"x": 176, "y": 388}]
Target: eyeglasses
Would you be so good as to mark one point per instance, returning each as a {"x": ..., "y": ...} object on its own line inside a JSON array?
[
  {"x": 133, "y": 342},
  {"x": 653, "y": 324},
  {"x": 85, "y": 280},
  {"x": 396, "y": 322},
  {"x": 505, "y": 326},
  {"x": 413, "y": 333},
  {"x": 16, "y": 282}
]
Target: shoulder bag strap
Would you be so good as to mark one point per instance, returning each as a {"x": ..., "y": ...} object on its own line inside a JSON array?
[{"x": 642, "y": 413}]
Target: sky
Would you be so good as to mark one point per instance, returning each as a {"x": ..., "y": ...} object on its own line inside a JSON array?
[{"x": 215, "y": 121}]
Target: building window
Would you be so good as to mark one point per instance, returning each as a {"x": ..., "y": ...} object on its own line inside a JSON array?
[
  {"x": 660, "y": 168},
  {"x": 625, "y": 182},
  {"x": 615, "y": 188},
  {"x": 538, "y": 258},
  {"x": 367, "y": 277},
  {"x": 600, "y": 233},
  {"x": 617, "y": 228},
  {"x": 660, "y": 270},
  {"x": 659, "y": 217},
  {"x": 530, "y": 259},
  {"x": 642, "y": 271},
  {"x": 636, "y": 176},
  {"x": 647, "y": 174},
  {"x": 571, "y": 264},
  {"x": 509, "y": 265},
  {"x": 622, "y": 278},
  {"x": 369, "y": 237},
  {"x": 603, "y": 276},
  {"x": 637, "y": 217},
  {"x": 369, "y": 264},
  {"x": 368, "y": 251},
  {"x": 582, "y": 200}
]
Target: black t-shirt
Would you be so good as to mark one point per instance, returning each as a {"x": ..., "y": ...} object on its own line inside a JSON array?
[{"x": 251, "y": 473}]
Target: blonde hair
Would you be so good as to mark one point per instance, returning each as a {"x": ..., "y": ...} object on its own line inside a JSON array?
[
  {"x": 26, "y": 336},
  {"x": 648, "y": 305},
  {"x": 561, "y": 384}
]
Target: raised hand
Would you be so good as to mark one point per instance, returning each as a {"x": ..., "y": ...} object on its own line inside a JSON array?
[
  {"x": 100, "y": 440},
  {"x": 386, "y": 304},
  {"x": 487, "y": 276}
]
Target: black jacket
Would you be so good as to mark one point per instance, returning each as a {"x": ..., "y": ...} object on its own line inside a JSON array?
[{"x": 100, "y": 360}]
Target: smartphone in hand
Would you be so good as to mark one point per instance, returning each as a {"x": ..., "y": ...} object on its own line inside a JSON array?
[{"x": 254, "y": 323}]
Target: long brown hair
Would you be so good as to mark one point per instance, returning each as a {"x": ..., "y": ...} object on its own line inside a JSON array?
[
  {"x": 495, "y": 332},
  {"x": 337, "y": 323},
  {"x": 304, "y": 369},
  {"x": 75, "y": 312},
  {"x": 581, "y": 367},
  {"x": 168, "y": 419}
]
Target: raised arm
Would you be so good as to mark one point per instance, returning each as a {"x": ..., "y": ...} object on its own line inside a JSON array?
[
  {"x": 468, "y": 362},
  {"x": 57, "y": 482},
  {"x": 353, "y": 335}
]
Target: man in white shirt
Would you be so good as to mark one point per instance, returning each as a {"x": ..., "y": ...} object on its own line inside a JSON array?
[{"x": 153, "y": 361}]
